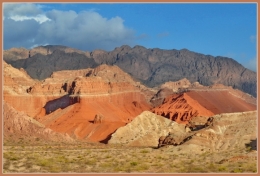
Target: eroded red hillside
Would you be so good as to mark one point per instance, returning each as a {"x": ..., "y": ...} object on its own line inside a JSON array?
[
  {"x": 203, "y": 102},
  {"x": 69, "y": 101},
  {"x": 181, "y": 108}
]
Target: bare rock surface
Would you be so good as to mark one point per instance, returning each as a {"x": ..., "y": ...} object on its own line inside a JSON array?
[
  {"x": 145, "y": 130},
  {"x": 183, "y": 83},
  {"x": 181, "y": 108},
  {"x": 18, "y": 125},
  {"x": 228, "y": 131}
]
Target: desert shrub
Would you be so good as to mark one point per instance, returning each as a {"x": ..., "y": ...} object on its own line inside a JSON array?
[
  {"x": 106, "y": 165},
  {"x": 11, "y": 156},
  {"x": 222, "y": 168},
  {"x": 144, "y": 151},
  {"x": 44, "y": 162},
  {"x": 237, "y": 170},
  {"x": 142, "y": 167},
  {"x": 133, "y": 163},
  {"x": 54, "y": 169},
  {"x": 196, "y": 169},
  {"x": 6, "y": 165},
  {"x": 211, "y": 167},
  {"x": 91, "y": 162},
  {"x": 107, "y": 156},
  {"x": 248, "y": 148}
]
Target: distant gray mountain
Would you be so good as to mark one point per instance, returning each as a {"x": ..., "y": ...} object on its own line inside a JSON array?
[
  {"x": 151, "y": 66},
  {"x": 41, "y": 66}
]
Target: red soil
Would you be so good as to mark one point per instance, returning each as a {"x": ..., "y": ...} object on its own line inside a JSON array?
[
  {"x": 221, "y": 101},
  {"x": 77, "y": 119}
]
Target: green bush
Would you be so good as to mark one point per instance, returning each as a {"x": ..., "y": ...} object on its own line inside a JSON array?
[{"x": 133, "y": 163}]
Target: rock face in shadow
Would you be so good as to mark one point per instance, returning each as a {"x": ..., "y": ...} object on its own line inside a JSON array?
[
  {"x": 41, "y": 66},
  {"x": 152, "y": 67}
]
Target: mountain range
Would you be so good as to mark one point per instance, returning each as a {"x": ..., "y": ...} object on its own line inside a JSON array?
[{"x": 152, "y": 67}]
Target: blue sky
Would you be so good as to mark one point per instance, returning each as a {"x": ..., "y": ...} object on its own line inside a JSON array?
[{"x": 215, "y": 29}]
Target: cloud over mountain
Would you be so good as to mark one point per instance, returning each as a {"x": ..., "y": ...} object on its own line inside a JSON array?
[{"x": 27, "y": 25}]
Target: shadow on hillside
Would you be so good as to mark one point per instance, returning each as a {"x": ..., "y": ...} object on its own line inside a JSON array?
[
  {"x": 252, "y": 144},
  {"x": 105, "y": 141},
  {"x": 198, "y": 127},
  {"x": 61, "y": 102}
]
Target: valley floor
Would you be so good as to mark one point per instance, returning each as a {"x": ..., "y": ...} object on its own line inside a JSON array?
[{"x": 101, "y": 158}]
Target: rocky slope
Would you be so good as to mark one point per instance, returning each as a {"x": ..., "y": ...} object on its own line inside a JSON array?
[
  {"x": 152, "y": 67},
  {"x": 18, "y": 125},
  {"x": 144, "y": 130},
  {"x": 229, "y": 131},
  {"x": 15, "y": 85},
  {"x": 182, "y": 107},
  {"x": 226, "y": 132}
]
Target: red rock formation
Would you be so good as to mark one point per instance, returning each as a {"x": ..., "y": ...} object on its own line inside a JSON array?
[
  {"x": 98, "y": 119},
  {"x": 181, "y": 108},
  {"x": 77, "y": 119},
  {"x": 69, "y": 100},
  {"x": 203, "y": 102}
]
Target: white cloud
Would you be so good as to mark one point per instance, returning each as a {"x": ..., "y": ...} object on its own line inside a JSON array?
[
  {"x": 38, "y": 45},
  {"x": 86, "y": 30},
  {"x": 21, "y": 9},
  {"x": 39, "y": 18}
]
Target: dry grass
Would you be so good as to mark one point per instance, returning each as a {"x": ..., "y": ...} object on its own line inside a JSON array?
[{"x": 83, "y": 158}]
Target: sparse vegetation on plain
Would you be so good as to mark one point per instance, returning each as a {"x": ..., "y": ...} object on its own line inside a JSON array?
[{"x": 118, "y": 159}]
